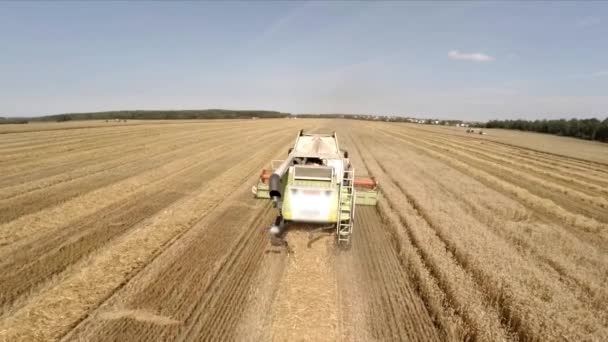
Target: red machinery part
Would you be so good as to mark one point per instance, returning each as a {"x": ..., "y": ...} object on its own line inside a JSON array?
[
  {"x": 369, "y": 183},
  {"x": 265, "y": 176}
]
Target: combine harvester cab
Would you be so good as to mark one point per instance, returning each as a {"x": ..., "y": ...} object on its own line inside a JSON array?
[{"x": 316, "y": 184}]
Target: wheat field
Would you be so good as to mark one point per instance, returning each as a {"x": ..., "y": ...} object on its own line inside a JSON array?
[{"x": 144, "y": 231}]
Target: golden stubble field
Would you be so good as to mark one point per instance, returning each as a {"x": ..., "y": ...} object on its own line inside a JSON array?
[{"x": 148, "y": 231}]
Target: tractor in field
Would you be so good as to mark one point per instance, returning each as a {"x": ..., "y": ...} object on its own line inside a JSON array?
[{"x": 315, "y": 185}]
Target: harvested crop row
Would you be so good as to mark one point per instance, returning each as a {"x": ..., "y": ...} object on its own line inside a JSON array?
[
  {"x": 395, "y": 311},
  {"x": 568, "y": 198},
  {"x": 216, "y": 315},
  {"x": 57, "y": 191},
  {"x": 65, "y": 126},
  {"x": 43, "y": 222},
  {"x": 526, "y": 157},
  {"x": 451, "y": 326},
  {"x": 63, "y": 143},
  {"x": 581, "y": 164},
  {"x": 579, "y": 266},
  {"x": 111, "y": 145},
  {"x": 186, "y": 283},
  {"x": 48, "y": 220},
  {"x": 50, "y": 313},
  {"x": 214, "y": 310},
  {"x": 55, "y": 164},
  {"x": 46, "y": 164},
  {"x": 585, "y": 225},
  {"x": 59, "y": 147},
  {"x": 220, "y": 310},
  {"x": 570, "y": 181},
  {"x": 512, "y": 283},
  {"x": 576, "y": 153},
  {"x": 10, "y": 141},
  {"x": 465, "y": 296},
  {"x": 163, "y": 240},
  {"x": 53, "y": 254},
  {"x": 82, "y": 167}
]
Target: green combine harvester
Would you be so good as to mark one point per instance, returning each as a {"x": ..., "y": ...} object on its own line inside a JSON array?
[{"x": 316, "y": 184}]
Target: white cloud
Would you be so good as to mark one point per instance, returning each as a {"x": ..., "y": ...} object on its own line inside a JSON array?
[
  {"x": 473, "y": 57},
  {"x": 600, "y": 73}
]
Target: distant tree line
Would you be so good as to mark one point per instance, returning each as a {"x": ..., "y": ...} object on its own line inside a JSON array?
[
  {"x": 13, "y": 120},
  {"x": 166, "y": 115},
  {"x": 365, "y": 117},
  {"x": 590, "y": 129}
]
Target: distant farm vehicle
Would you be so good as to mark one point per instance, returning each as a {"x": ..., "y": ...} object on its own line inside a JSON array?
[{"x": 473, "y": 131}]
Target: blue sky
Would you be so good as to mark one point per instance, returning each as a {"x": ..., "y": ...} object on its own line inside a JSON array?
[{"x": 470, "y": 60}]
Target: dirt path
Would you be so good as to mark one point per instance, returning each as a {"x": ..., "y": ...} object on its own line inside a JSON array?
[{"x": 307, "y": 303}]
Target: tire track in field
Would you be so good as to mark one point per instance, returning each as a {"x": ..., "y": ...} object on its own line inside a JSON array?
[{"x": 81, "y": 238}]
